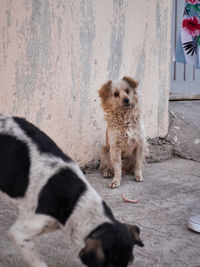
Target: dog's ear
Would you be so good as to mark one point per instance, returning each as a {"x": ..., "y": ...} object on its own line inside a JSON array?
[
  {"x": 135, "y": 233},
  {"x": 92, "y": 254},
  {"x": 104, "y": 92},
  {"x": 133, "y": 83}
]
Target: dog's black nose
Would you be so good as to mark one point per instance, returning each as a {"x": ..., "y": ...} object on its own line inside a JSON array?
[{"x": 126, "y": 101}]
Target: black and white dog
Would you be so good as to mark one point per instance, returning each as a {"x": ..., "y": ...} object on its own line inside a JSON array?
[{"x": 51, "y": 192}]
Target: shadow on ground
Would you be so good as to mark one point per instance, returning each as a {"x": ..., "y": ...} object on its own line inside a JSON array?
[{"x": 168, "y": 196}]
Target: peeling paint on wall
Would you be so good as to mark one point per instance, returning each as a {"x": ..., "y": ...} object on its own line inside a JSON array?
[
  {"x": 32, "y": 67},
  {"x": 162, "y": 47},
  {"x": 117, "y": 38},
  {"x": 8, "y": 16},
  {"x": 59, "y": 27},
  {"x": 87, "y": 35},
  {"x": 5, "y": 32}
]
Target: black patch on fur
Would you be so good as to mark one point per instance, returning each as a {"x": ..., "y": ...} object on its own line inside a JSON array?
[
  {"x": 90, "y": 259},
  {"x": 60, "y": 194},
  {"x": 14, "y": 166},
  {"x": 107, "y": 211},
  {"x": 116, "y": 243},
  {"x": 43, "y": 142}
]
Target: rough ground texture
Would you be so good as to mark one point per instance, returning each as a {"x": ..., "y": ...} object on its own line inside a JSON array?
[
  {"x": 183, "y": 138},
  {"x": 168, "y": 196},
  {"x": 159, "y": 149},
  {"x": 184, "y": 129}
]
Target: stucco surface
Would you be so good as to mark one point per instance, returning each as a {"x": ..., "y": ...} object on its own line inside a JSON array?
[{"x": 55, "y": 55}]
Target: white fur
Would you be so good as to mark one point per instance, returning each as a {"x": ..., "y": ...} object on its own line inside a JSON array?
[{"x": 86, "y": 216}]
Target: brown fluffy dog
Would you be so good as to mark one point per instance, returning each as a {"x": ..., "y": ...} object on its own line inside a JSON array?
[{"x": 125, "y": 147}]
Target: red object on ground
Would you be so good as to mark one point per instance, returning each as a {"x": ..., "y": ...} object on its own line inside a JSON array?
[{"x": 129, "y": 200}]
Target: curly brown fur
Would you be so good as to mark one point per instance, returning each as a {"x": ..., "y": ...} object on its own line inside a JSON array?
[{"x": 125, "y": 148}]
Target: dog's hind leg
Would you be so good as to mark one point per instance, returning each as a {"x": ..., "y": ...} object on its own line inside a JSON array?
[
  {"x": 139, "y": 162},
  {"x": 105, "y": 165},
  {"x": 115, "y": 154},
  {"x": 128, "y": 164},
  {"x": 24, "y": 231}
]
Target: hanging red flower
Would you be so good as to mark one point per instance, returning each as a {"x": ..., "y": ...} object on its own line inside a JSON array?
[
  {"x": 191, "y": 25},
  {"x": 193, "y": 1}
]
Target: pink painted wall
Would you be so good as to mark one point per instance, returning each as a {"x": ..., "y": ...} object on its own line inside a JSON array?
[{"x": 55, "y": 55}]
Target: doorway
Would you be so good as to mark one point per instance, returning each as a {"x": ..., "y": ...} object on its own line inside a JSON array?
[{"x": 185, "y": 79}]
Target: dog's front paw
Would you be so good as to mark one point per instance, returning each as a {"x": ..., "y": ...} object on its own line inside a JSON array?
[
  {"x": 114, "y": 183},
  {"x": 138, "y": 178},
  {"x": 107, "y": 174}
]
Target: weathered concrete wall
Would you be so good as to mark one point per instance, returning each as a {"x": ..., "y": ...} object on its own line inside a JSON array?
[{"x": 56, "y": 54}]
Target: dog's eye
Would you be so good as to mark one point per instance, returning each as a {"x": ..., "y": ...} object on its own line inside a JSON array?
[
  {"x": 116, "y": 94},
  {"x": 127, "y": 91}
]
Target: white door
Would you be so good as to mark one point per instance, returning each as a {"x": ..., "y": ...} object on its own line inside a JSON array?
[{"x": 185, "y": 79}]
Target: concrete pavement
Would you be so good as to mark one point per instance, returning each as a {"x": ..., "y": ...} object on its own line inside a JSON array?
[{"x": 168, "y": 196}]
